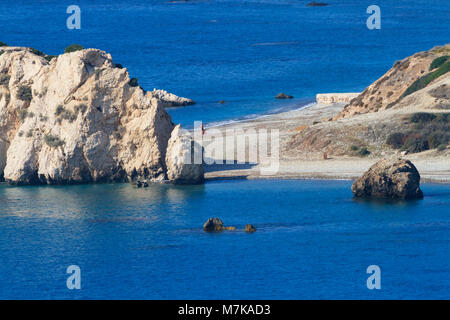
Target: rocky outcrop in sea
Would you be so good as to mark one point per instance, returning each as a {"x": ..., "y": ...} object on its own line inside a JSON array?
[
  {"x": 389, "y": 178},
  {"x": 78, "y": 118}
]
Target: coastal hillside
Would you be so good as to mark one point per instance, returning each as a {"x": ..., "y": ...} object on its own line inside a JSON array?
[
  {"x": 79, "y": 118},
  {"x": 404, "y": 78},
  {"x": 405, "y": 111}
]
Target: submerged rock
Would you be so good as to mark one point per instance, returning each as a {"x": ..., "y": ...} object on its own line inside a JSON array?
[
  {"x": 283, "y": 96},
  {"x": 77, "y": 119},
  {"x": 249, "y": 228},
  {"x": 389, "y": 178},
  {"x": 317, "y": 4}
]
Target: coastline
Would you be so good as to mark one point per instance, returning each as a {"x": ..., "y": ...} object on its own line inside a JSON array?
[{"x": 432, "y": 167}]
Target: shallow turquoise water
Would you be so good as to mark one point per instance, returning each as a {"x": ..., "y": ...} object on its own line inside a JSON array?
[{"x": 313, "y": 241}]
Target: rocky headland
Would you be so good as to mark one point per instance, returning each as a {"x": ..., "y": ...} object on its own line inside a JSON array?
[{"x": 79, "y": 118}]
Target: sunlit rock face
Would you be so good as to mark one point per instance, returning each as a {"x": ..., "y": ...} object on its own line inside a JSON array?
[{"x": 77, "y": 119}]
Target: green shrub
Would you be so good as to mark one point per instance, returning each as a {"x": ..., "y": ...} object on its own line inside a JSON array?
[
  {"x": 413, "y": 145},
  {"x": 29, "y": 133},
  {"x": 422, "y": 117},
  {"x": 23, "y": 114},
  {"x": 73, "y": 48},
  {"x": 80, "y": 108},
  {"x": 2, "y": 44},
  {"x": 423, "y": 81},
  {"x": 4, "y": 79},
  {"x": 396, "y": 140},
  {"x": 42, "y": 117},
  {"x": 133, "y": 82},
  {"x": 436, "y": 63},
  {"x": 435, "y": 139},
  {"x": 354, "y": 148},
  {"x": 24, "y": 93},
  {"x": 37, "y": 52},
  {"x": 67, "y": 115},
  {"x": 363, "y": 151},
  {"x": 53, "y": 141},
  {"x": 442, "y": 117},
  {"x": 62, "y": 113},
  {"x": 50, "y": 57},
  {"x": 1, "y": 52},
  {"x": 442, "y": 147},
  {"x": 59, "y": 109}
]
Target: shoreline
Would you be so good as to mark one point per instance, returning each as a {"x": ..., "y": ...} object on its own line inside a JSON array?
[{"x": 432, "y": 168}]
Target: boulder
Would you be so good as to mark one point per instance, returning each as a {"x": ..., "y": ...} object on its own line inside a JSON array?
[
  {"x": 213, "y": 225},
  {"x": 180, "y": 158},
  {"x": 389, "y": 178}
]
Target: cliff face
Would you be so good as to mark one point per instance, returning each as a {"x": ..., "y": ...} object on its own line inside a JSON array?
[
  {"x": 388, "y": 91},
  {"x": 77, "y": 119}
]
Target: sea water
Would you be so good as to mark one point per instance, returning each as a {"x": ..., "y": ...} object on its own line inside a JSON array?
[
  {"x": 313, "y": 240},
  {"x": 243, "y": 52}
]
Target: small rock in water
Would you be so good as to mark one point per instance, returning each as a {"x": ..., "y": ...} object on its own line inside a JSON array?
[
  {"x": 215, "y": 225},
  {"x": 317, "y": 4},
  {"x": 222, "y": 101},
  {"x": 389, "y": 178},
  {"x": 281, "y": 95},
  {"x": 249, "y": 228}
]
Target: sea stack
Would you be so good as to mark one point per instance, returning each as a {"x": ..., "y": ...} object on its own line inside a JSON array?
[
  {"x": 78, "y": 118},
  {"x": 389, "y": 178}
]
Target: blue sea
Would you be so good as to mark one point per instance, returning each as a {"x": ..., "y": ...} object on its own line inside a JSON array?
[{"x": 313, "y": 240}]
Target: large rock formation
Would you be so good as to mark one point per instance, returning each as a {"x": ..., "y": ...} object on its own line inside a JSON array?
[
  {"x": 77, "y": 119},
  {"x": 181, "y": 158},
  {"x": 389, "y": 178}
]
